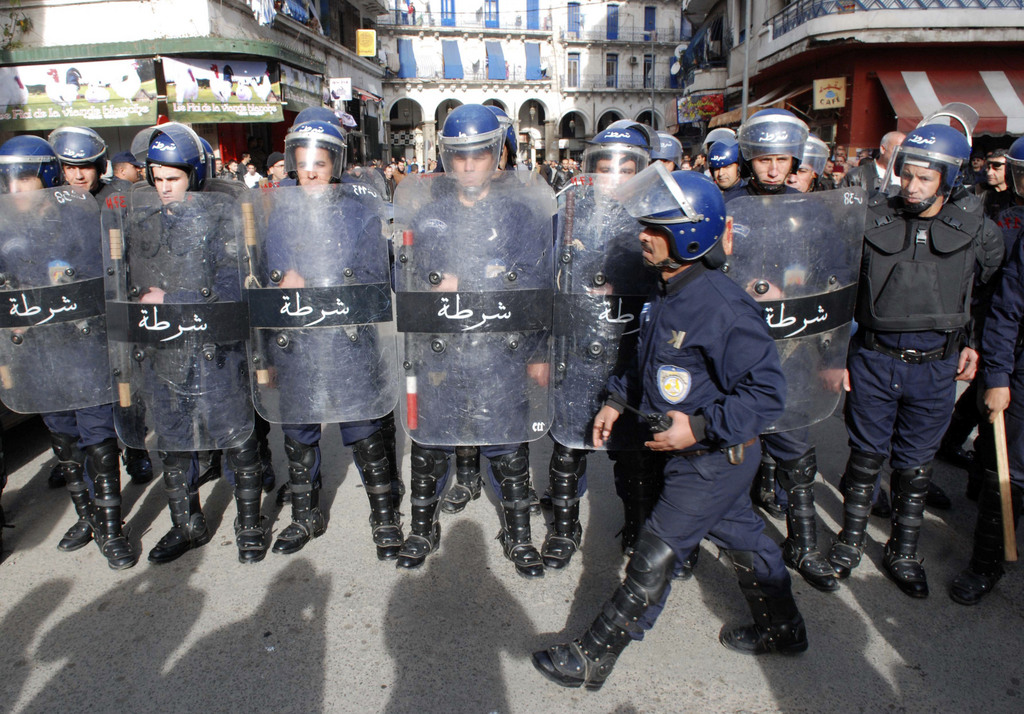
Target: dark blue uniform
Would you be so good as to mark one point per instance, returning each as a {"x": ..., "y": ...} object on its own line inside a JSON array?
[{"x": 705, "y": 351}]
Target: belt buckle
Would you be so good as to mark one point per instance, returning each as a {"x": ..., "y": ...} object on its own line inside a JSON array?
[{"x": 912, "y": 356}]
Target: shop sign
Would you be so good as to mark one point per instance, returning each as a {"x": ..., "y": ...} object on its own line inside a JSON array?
[{"x": 222, "y": 90}]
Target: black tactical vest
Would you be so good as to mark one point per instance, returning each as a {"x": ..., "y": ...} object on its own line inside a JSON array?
[{"x": 916, "y": 274}]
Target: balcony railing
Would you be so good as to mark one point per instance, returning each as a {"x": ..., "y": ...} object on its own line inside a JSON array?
[
  {"x": 624, "y": 34},
  {"x": 803, "y": 11},
  {"x": 433, "y": 20},
  {"x": 591, "y": 82},
  {"x": 513, "y": 74}
]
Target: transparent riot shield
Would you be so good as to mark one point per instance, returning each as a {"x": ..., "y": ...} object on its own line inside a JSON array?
[
  {"x": 601, "y": 285},
  {"x": 473, "y": 304},
  {"x": 323, "y": 345},
  {"x": 798, "y": 255},
  {"x": 177, "y": 321},
  {"x": 53, "y": 335}
]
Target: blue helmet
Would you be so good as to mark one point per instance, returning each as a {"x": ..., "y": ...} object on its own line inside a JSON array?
[
  {"x": 623, "y": 141},
  {"x": 471, "y": 128},
  {"x": 771, "y": 132},
  {"x": 815, "y": 154},
  {"x": 177, "y": 146},
  {"x": 28, "y": 156},
  {"x": 317, "y": 114},
  {"x": 723, "y": 153},
  {"x": 1015, "y": 162},
  {"x": 211, "y": 165},
  {"x": 313, "y": 135},
  {"x": 79, "y": 146},
  {"x": 715, "y": 135},
  {"x": 510, "y": 136},
  {"x": 937, "y": 147},
  {"x": 686, "y": 205},
  {"x": 665, "y": 147}
]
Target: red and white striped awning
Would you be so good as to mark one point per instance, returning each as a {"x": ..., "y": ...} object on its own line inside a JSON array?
[{"x": 997, "y": 96}]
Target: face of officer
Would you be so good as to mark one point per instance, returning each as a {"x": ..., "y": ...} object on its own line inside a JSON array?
[
  {"x": 473, "y": 169},
  {"x": 771, "y": 170},
  {"x": 918, "y": 185},
  {"x": 654, "y": 244},
  {"x": 86, "y": 178},
  {"x": 802, "y": 180},
  {"x": 620, "y": 167},
  {"x": 171, "y": 183},
  {"x": 315, "y": 166},
  {"x": 24, "y": 183},
  {"x": 727, "y": 176}
]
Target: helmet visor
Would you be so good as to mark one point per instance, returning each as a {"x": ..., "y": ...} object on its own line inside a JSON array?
[
  {"x": 623, "y": 159},
  {"x": 472, "y": 154},
  {"x": 654, "y": 191},
  {"x": 315, "y": 154},
  {"x": 1016, "y": 168}
]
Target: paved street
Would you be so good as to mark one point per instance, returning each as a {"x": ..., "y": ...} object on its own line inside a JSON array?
[{"x": 333, "y": 629}]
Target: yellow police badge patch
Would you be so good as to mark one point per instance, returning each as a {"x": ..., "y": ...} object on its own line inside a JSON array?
[{"x": 673, "y": 383}]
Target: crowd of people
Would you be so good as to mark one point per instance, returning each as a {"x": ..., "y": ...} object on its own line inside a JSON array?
[{"x": 639, "y": 301}]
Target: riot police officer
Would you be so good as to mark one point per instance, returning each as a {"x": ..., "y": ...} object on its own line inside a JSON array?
[
  {"x": 190, "y": 388},
  {"x": 666, "y": 149},
  {"x": 323, "y": 235},
  {"x": 65, "y": 251},
  {"x": 470, "y": 235},
  {"x": 83, "y": 159},
  {"x": 922, "y": 255},
  {"x": 724, "y": 164},
  {"x": 694, "y": 331},
  {"x": 770, "y": 144},
  {"x": 812, "y": 166},
  {"x": 1001, "y": 374}
]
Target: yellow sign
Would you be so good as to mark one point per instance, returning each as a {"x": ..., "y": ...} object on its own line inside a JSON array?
[
  {"x": 830, "y": 93},
  {"x": 366, "y": 43}
]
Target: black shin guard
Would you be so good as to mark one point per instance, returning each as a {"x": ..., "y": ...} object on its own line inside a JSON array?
[
  {"x": 104, "y": 466},
  {"x": 512, "y": 472},
  {"x": 467, "y": 480},
  {"x": 800, "y": 549},
  {"x": 427, "y": 466},
  {"x": 72, "y": 465},
  {"x": 901, "y": 560},
  {"x": 640, "y": 475},
  {"x": 589, "y": 660},
  {"x": 371, "y": 458},
  {"x": 778, "y": 625},
  {"x": 188, "y": 528},
  {"x": 389, "y": 432},
  {"x": 861, "y": 471},
  {"x": 250, "y": 534},
  {"x": 566, "y": 468},
  {"x": 307, "y": 519}
]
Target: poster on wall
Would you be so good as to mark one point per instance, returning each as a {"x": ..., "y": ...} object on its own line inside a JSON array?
[
  {"x": 105, "y": 93},
  {"x": 694, "y": 108},
  {"x": 222, "y": 90}
]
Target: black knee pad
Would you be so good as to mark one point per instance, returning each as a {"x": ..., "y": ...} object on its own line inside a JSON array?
[
  {"x": 649, "y": 568},
  {"x": 425, "y": 462},
  {"x": 912, "y": 480},
  {"x": 369, "y": 449},
  {"x": 65, "y": 448},
  {"x": 863, "y": 467},
  {"x": 103, "y": 458},
  {"x": 245, "y": 457},
  {"x": 794, "y": 473},
  {"x": 514, "y": 466}
]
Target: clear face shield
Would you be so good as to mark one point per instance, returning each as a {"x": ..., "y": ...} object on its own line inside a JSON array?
[
  {"x": 654, "y": 191},
  {"x": 472, "y": 160},
  {"x": 955, "y": 114},
  {"x": 314, "y": 158},
  {"x": 621, "y": 161},
  {"x": 21, "y": 173},
  {"x": 1015, "y": 175}
]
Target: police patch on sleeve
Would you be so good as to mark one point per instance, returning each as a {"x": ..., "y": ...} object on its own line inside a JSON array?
[{"x": 673, "y": 383}]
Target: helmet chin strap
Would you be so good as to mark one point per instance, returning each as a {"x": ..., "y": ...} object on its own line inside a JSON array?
[
  {"x": 919, "y": 207},
  {"x": 765, "y": 189}
]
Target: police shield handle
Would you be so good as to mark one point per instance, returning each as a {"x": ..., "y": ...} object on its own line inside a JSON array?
[
  {"x": 412, "y": 412},
  {"x": 124, "y": 389},
  {"x": 1003, "y": 468},
  {"x": 249, "y": 228},
  {"x": 5, "y": 377}
]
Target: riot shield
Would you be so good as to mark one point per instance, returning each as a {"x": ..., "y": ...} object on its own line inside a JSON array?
[
  {"x": 798, "y": 255},
  {"x": 323, "y": 345},
  {"x": 177, "y": 321},
  {"x": 601, "y": 285},
  {"x": 53, "y": 334},
  {"x": 473, "y": 301}
]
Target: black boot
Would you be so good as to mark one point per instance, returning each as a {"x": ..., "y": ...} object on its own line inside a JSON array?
[
  {"x": 138, "y": 465},
  {"x": 900, "y": 560},
  {"x": 589, "y": 660},
  {"x": 371, "y": 458},
  {"x": 188, "y": 522},
  {"x": 986, "y": 566},
  {"x": 389, "y": 432},
  {"x": 428, "y": 466},
  {"x": 250, "y": 533},
  {"x": 72, "y": 466},
  {"x": 512, "y": 472},
  {"x": 567, "y": 465},
  {"x": 261, "y": 429},
  {"x": 778, "y": 625},
  {"x": 859, "y": 480},
  {"x": 684, "y": 571},
  {"x": 307, "y": 519},
  {"x": 467, "y": 480},
  {"x": 762, "y": 490},
  {"x": 103, "y": 459},
  {"x": 640, "y": 476},
  {"x": 965, "y": 418},
  {"x": 800, "y": 549}
]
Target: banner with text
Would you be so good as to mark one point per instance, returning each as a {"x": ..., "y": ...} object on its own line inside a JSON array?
[{"x": 222, "y": 90}]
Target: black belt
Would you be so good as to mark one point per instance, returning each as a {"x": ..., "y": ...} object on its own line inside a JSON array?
[
  {"x": 910, "y": 356},
  {"x": 722, "y": 450}
]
